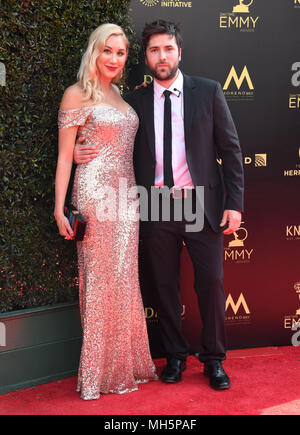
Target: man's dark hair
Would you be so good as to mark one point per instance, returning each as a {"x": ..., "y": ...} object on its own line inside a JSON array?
[{"x": 160, "y": 27}]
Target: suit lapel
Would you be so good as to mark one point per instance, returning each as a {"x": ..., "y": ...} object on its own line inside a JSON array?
[
  {"x": 148, "y": 107},
  {"x": 189, "y": 107}
]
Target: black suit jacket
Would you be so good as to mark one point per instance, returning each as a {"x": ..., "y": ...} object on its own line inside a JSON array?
[{"x": 210, "y": 133}]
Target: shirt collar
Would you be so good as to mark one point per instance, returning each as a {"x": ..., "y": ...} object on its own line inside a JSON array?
[{"x": 178, "y": 84}]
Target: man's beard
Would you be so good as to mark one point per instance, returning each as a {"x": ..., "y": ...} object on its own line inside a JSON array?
[{"x": 162, "y": 76}]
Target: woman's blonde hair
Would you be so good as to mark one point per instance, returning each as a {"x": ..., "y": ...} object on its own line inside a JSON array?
[{"x": 87, "y": 74}]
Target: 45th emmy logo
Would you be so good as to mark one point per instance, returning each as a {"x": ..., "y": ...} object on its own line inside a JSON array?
[{"x": 236, "y": 250}]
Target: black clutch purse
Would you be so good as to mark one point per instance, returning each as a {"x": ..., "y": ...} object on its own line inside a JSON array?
[{"x": 77, "y": 222}]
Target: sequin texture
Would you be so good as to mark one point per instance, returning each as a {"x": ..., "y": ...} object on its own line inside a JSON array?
[{"x": 115, "y": 353}]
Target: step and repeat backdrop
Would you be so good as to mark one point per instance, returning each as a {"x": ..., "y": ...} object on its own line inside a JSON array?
[{"x": 252, "y": 48}]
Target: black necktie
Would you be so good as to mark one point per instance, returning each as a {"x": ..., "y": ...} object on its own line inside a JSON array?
[{"x": 168, "y": 172}]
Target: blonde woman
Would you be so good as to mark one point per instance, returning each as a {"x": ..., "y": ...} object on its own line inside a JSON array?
[{"x": 115, "y": 354}]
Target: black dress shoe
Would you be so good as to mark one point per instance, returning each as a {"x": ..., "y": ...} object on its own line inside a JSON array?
[
  {"x": 172, "y": 372},
  {"x": 217, "y": 376}
]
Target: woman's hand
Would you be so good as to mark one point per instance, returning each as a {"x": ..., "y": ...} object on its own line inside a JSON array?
[{"x": 64, "y": 226}]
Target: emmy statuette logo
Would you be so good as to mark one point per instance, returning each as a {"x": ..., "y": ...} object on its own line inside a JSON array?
[
  {"x": 296, "y": 4},
  {"x": 240, "y": 18},
  {"x": 239, "y": 237},
  {"x": 297, "y": 289},
  {"x": 291, "y": 320},
  {"x": 242, "y": 7},
  {"x": 296, "y": 326},
  {"x": 236, "y": 250}
]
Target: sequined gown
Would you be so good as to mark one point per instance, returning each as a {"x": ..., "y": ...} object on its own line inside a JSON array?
[{"x": 115, "y": 354}]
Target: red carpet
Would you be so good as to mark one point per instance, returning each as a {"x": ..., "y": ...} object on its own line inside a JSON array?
[{"x": 265, "y": 381}]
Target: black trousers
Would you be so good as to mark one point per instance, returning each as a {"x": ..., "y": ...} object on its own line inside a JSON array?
[{"x": 162, "y": 243}]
